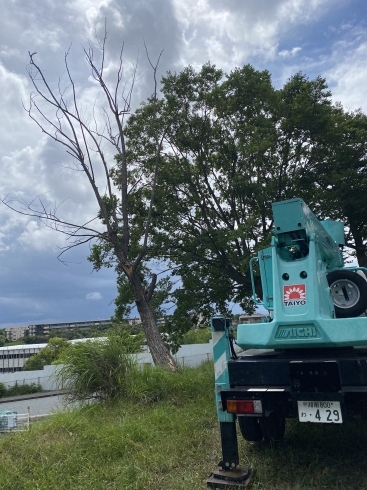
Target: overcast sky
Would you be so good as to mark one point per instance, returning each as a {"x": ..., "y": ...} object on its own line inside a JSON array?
[{"x": 318, "y": 37}]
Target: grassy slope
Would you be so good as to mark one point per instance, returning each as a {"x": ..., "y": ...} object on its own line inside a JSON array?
[{"x": 173, "y": 444}]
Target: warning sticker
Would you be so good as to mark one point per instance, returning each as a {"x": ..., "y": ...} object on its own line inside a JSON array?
[{"x": 294, "y": 295}]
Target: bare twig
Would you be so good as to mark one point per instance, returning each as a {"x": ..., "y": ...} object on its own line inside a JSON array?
[{"x": 88, "y": 142}]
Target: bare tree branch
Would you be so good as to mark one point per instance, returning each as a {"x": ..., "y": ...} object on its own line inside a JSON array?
[{"x": 91, "y": 141}]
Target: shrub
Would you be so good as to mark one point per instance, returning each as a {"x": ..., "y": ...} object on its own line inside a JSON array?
[
  {"x": 2, "y": 390},
  {"x": 23, "y": 389}
]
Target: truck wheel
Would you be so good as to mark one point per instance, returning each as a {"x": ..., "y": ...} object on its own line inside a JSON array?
[
  {"x": 273, "y": 427},
  {"x": 250, "y": 428},
  {"x": 349, "y": 293}
]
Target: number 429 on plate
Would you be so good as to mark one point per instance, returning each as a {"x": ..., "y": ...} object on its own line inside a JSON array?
[{"x": 320, "y": 412}]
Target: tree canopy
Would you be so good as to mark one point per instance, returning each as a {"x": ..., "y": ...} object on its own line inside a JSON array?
[
  {"x": 48, "y": 355},
  {"x": 231, "y": 145}
]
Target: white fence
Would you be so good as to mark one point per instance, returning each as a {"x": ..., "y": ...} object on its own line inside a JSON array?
[
  {"x": 188, "y": 355},
  {"x": 42, "y": 378}
]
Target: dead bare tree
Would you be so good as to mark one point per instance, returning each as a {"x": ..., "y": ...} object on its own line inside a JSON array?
[{"x": 91, "y": 146}]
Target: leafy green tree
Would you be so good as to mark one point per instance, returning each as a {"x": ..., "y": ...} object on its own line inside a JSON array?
[
  {"x": 3, "y": 339},
  {"x": 336, "y": 182},
  {"x": 124, "y": 301},
  {"x": 68, "y": 334},
  {"x": 234, "y": 145},
  {"x": 48, "y": 355},
  {"x": 197, "y": 336},
  {"x": 35, "y": 339}
]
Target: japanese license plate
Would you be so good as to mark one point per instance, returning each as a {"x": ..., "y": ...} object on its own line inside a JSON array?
[{"x": 320, "y": 412}]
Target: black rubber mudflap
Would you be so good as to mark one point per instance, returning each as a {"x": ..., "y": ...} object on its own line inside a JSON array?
[{"x": 238, "y": 478}]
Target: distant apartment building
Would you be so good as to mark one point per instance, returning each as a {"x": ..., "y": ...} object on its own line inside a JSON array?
[
  {"x": 44, "y": 329},
  {"x": 15, "y": 333}
]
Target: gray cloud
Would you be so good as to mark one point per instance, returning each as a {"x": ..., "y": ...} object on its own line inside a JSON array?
[
  {"x": 136, "y": 23},
  {"x": 36, "y": 288}
]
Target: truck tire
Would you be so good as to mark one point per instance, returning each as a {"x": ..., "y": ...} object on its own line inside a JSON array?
[
  {"x": 250, "y": 428},
  {"x": 273, "y": 427},
  {"x": 349, "y": 293}
]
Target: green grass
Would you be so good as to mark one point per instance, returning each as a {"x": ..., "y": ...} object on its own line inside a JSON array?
[
  {"x": 172, "y": 443},
  {"x": 126, "y": 445},
  {"x": 312, "y": 457}
]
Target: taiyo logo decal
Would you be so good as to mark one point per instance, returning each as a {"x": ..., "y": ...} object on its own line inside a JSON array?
[{"x": 294, "y": 295}]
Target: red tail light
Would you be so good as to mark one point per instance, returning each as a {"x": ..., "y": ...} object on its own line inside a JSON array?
[{"x": 244, "y": 406}]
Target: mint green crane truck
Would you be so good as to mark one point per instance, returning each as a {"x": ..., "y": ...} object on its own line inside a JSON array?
[{"x": 308, "y": 357}]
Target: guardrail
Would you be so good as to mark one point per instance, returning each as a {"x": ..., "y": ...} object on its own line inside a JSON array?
[{"x": 194, "y": 360}]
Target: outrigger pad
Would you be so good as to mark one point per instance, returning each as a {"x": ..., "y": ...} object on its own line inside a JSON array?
[{"x": 238, "y": 478}]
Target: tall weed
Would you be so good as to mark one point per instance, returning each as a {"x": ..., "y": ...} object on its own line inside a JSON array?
[
  {"x": 99, "y": 369},
  {"x": 106, "y": 369}
]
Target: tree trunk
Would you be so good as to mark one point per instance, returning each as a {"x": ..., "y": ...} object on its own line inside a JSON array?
[
  {"x": 160, "y": 354},
  {"x": 361, "y": 256},
  {"x": 360, "y": 247}
]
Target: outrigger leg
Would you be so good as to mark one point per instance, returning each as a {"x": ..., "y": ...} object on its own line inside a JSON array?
[{"x": 228, "y": 475}]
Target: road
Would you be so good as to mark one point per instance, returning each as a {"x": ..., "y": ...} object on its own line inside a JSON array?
[{"x": 37, "y": 406}]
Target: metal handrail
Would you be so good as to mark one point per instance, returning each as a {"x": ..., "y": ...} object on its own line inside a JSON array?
[{"x": 257, "y": 302}]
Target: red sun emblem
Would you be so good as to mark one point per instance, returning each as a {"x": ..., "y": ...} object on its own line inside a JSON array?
[{"x": 294, "y": 292}]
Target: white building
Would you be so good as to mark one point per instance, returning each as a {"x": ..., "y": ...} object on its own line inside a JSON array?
[{"x": 13, "y": 357}]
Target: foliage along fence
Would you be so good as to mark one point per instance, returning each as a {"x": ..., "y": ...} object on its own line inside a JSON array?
[{"x": 188, "y": 355}]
